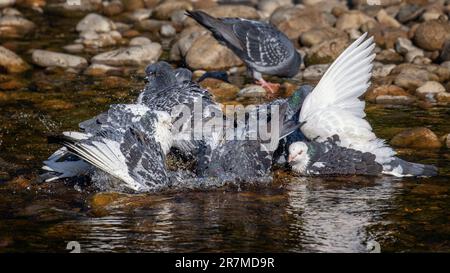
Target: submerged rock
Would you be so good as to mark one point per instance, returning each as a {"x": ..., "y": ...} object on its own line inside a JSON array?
[
  {"x": 73, "y": 8},
  {"x": 13, "y": 26},
  {"x": 130, "y": 56},
  {"x": 389, "y": 94},
  {"x": 419, "y": 137},
  {"x": 11, "y": 62},
  {"x": 102, "y": 70},
  {"x": 221, "y": 90},
  {"x": 6, "y": 3},
  {"x": 47, "y": 58}
]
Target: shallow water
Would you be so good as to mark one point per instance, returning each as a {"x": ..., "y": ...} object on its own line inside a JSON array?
[{"x": 289, "y": 215}]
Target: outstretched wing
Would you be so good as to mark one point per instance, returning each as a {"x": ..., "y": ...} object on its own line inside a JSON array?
[
  {"x": 334, "y": 107},
  {"x": 264, "y": 45}
]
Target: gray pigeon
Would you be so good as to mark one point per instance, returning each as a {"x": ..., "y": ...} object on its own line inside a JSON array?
[
  {"x": 130, "y": 146},
  {"x": 243, "y": 158},
  {"x": 263, "y": 48},
  {"x": 328, "y": 158}
]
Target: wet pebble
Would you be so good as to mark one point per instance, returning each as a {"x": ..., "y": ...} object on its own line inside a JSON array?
[
  {"x": 164, "y": 10},
  {"x": 11, "y": 62},
  {"x": 326, "y": 52}
]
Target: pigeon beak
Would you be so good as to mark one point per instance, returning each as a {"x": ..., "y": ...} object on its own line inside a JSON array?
[{"x": 291, "y": 158}]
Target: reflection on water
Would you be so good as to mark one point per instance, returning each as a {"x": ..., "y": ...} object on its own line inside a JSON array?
[
  {"x": 290, "y": 215},
  {"x": 334, "y": 216}
]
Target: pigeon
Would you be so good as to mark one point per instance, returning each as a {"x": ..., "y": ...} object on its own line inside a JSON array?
[
  {"x": 329, "y": 159},
  {"x": 262, "y": 47},
  {"x": 244, "y": 158},
  {"x": 334, "y": 108},
  {"x": 174, "y": 92},
  {"x": 166, "y": 89},
  {"x": 130, "y": 146}
]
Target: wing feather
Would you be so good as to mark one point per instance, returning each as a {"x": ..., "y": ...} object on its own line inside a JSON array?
[{"x": 334, "y": 106}]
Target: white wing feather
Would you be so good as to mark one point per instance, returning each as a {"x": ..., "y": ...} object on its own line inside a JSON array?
[{"x": 334, "y": 107}]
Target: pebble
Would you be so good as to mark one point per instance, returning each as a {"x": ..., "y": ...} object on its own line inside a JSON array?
[
  {"x": 47, "y": 58},
  {"x": 12, "y": 62},
  {"x": 252, "y": 91},
  {"x": 130, "y": 56}
]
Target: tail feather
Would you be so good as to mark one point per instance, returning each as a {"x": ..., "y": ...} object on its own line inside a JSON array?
[
  {"x": 62, "y": 164},
  {"x": 399, "y": 167}
]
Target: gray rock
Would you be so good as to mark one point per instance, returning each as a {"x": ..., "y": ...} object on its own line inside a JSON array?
[
  {"x": 95, "y": 23},
  {"x": 140, "y": 14},
  {"x": 395, "y": 100},
  {"x": 6, "y": 3},
  {"x": 130, "y": 56},
  {"x": 140, "y": 41},
  {"x": 168, "y": 31},
  {"x": 74, "y": 48},
  {"x": 47, "y": 58},
  {"x": 12, "y": 26},
  {"x": 409, "y": 12}
]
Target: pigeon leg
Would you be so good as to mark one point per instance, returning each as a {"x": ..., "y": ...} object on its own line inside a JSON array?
[{"x": 272, "y": 87}]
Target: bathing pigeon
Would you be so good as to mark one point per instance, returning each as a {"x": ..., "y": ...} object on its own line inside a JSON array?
[
  {"x": 247, "y": 156},
  {"x": 334, "y": 108},
  {"x": 263, "y": 48},
  {"x": 130, "y": 146},
  {"x": 328, "y": 158}
]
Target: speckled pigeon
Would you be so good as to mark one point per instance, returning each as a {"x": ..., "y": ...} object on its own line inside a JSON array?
[
  {"x": 263, "y": 48},
  {"x": 328, "y": 158}
]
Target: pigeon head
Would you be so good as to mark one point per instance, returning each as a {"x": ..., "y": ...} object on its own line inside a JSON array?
[
  {"x": 160, "y": 74},
  {"x": 299, "y": 96},
  {"x": 298, "y": 156}
]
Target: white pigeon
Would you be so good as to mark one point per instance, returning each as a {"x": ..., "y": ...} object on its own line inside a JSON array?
[{"x": 334, "y": 108}]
